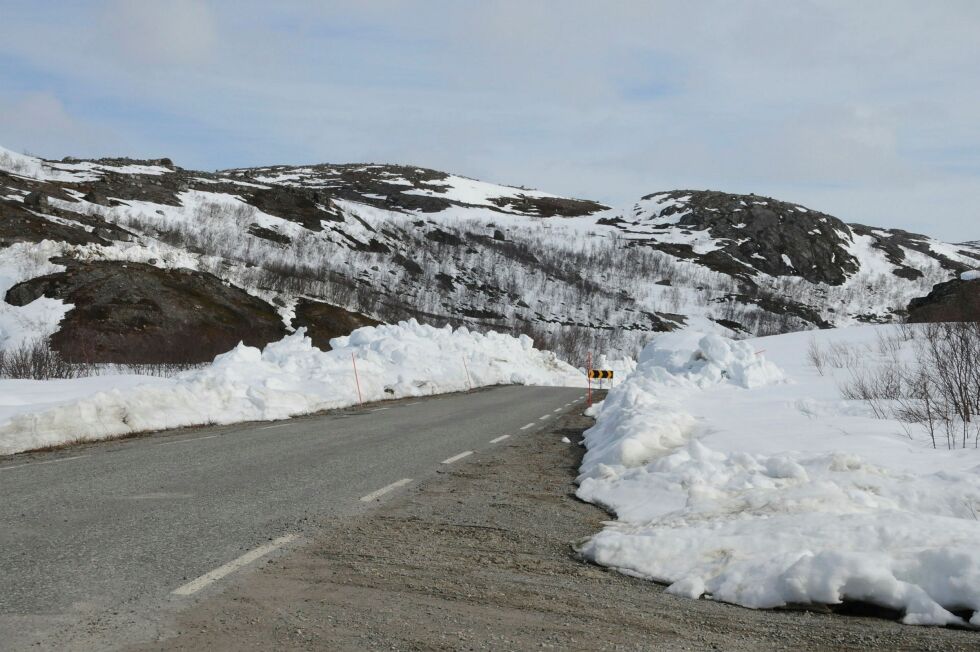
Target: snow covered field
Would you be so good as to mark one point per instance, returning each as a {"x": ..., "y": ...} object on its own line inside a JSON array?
[
  {"x": 737, "y": 472},
  {"x": 287, "y": 378}
]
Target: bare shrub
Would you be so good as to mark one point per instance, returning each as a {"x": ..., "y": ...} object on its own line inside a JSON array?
[
  {"x": 36, "y": 360},
  {"x": 815, "y": 356},
  {"x": 876, "y": 388},
  {"x": 841, "y": 355},
  {"x": 939, "y": 392}
]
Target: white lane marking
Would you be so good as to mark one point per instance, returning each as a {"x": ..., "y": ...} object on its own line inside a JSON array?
[
  {"x": 415, "y": 403},
  {"x": 499, "y": 439},
  {"x": 547, "y": 416},
  {"x": 581, "y": 398},
  {"x": 558, "y": 410},
  {"x": 184, "y": 441},
  {"x": 63, "y": 459},
  {"x": 374, "y": 495},
  {"x": 456, "y": 458},
  {"x": 379, "y": 409},
  {"x": 280, "y": 425},
  {"x": 530, "y": 425},
  {"x": 194, "y": 586}
]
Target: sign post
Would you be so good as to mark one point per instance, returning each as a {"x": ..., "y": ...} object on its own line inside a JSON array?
[
  {"x": 599, "y": 374},
  {"x": 357, "y": 381},
  {"x": 588, "y": 370}
]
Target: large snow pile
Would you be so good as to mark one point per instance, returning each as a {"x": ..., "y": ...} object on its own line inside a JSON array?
[
  {"x": 287, "y": 378},
  {"x": 730, "y": 484}
]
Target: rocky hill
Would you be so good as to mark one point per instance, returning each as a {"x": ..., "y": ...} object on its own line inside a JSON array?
[
  {"x": 955, "y": 300},
  {"x": 120, "y": 259}
]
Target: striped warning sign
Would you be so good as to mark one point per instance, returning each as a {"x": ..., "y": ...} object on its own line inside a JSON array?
[{"x": 600, "y": 373}]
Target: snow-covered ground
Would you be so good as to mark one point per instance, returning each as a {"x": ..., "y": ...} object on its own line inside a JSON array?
[
  {"x": 737, "y": 472},
  {"x": 40, "y": 318},
  {"x": 32, "y": 167},
  {"x": 286, "y": 378}
]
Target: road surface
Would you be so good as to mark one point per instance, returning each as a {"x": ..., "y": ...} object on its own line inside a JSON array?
[{"x": 114, "y": 536}]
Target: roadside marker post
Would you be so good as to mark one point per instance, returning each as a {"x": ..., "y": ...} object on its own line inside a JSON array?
[
  {"x": 588, "y": 369},
  {"x": 357, "y": 381},
  {"x": 469, "y": 381}
]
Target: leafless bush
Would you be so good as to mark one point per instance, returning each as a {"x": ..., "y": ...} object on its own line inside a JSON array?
[
  {"x": 815, "y": 356},
  {"x": 36, "y": 360},
  {"x": 841, "y": 355},
  {"x": 939, "y": 391},
  {"x": 161, "y": 370},
  {"x": 878, "y": 388}
]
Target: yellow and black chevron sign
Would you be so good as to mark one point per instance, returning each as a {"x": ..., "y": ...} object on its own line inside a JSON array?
[{"x": 600, "y": 373}]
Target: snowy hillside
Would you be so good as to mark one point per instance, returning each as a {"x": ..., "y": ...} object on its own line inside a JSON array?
[{"x": 135, "y": 257}]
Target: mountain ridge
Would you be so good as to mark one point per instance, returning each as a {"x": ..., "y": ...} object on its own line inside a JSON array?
[{"x": 381, "y": 242}]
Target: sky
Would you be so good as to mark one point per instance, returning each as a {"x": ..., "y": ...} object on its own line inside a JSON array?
[{"x": 866, "y": 110}]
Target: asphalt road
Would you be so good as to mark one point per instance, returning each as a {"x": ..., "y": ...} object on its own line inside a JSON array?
[{"x": 100, "y": 541}]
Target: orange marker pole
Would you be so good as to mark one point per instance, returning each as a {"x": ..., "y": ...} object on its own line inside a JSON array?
[
  {"x": 357, "y": 381},
  {"x": 588, "y": 372}
]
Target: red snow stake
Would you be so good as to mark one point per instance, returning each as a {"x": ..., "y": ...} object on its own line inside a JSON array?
[
  {"x": 357, "y": 381},
  {"x": 469, "y": 380},
  {"x": 588, "y": 372}
]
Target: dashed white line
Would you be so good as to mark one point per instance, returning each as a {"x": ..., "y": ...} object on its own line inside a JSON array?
[
  {"x": 530, "y": 425},
  {"x": 547, "y": 416},
  {"x": 194, "y": 586},
  {"x": 415, "y": 403},
  {"x": 374, "y": 495},
  {"x": 456, "y": 458},
  {"x": 184, "y": 441},
  {"x": 499, "y": 439},
  {"x": 380, "y": 409},
  {"x": 278, "y": 425},
  {"x": 558, "y": 409},
  {"x": 63, "y": 459}
]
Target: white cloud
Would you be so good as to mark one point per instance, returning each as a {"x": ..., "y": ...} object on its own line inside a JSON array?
[
  {"x": 40, "y": 123},
  {"x": 157, "y": 33},
  {"x": 826, "y": 101}
]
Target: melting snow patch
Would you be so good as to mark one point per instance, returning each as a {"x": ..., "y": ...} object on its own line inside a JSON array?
[{"x": 972, "y": 275}]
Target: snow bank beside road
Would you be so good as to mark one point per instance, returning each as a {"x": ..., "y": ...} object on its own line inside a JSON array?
[
  {"x": 731, "y": 484},
  {"x": 287, "y": 378}
]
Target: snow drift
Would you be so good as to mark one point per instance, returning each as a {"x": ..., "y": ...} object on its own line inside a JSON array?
[
  {"x": 287, "y": 378},
  {"x": 731, "y": 484}
]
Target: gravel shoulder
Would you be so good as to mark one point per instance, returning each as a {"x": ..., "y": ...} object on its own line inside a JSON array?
[{"x": 481, "y": 557}]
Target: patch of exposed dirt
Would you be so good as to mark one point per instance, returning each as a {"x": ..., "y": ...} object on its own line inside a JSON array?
[
  {"x": 324, "y": 322},
  {"x": 481, "y": 558}
]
